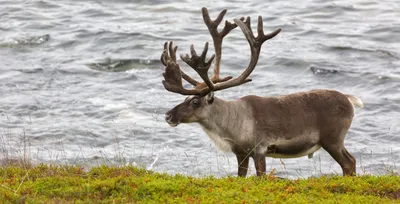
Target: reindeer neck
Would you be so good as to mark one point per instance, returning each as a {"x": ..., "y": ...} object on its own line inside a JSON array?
[
  {"x": 221, "y": 114},
  {"x": 225, "y": 121}
]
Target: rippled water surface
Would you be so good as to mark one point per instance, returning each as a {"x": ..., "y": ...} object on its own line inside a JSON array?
[{"x": 81, "y": 80}]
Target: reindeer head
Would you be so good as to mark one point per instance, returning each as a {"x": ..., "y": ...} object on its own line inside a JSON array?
[
  {"x": 193, "y": 109},
  {"x": 197, "y": 106}
]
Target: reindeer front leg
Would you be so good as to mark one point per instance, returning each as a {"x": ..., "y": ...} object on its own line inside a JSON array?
[
  {"x": 260, "y": 163},
  {"x": 243, "y": 164}
]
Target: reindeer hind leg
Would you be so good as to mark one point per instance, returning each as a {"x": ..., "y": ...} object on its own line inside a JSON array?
[
  {"x": 343, "y": 157},
  {"x": 260, "y": 164}
]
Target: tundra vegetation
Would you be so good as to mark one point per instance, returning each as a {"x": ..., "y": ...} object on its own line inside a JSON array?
[{"x": 73, "y": 184}]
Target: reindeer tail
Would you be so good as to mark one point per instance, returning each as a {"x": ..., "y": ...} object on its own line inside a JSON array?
[{"x": 356, "y": 101}]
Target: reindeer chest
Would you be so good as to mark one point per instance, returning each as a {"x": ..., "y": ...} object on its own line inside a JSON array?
[{"x": 222, "y": 143}]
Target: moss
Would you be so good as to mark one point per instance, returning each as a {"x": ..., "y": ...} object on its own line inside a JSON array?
[{"x": 71, "y": 184}]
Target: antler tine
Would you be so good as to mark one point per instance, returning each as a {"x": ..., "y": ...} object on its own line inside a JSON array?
[
  {"x": 260, "y": 31},
  {"x": 207, "y": 19},
  {"x": 199, "y": 64},
  {"x": 247, "y": 22},
  {"x": 255, "y": 47},
  {"x": 217, "y": 40},
  {"x": 172, "y": 51},
  {"x": 165, "y": 57},
  {"x": 255, "y": 42}
]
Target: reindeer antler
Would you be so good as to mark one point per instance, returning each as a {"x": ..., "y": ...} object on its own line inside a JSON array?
[
  {"x": 199, "y": 64},
  {"x": 217, "y": 39},
  {"x": 173, "y": 74}
]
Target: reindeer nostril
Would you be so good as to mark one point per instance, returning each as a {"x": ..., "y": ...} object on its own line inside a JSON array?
[{"x": 168, "y": 117}]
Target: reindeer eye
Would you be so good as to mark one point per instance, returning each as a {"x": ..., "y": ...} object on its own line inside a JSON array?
[{"x": 195, "y": 103}]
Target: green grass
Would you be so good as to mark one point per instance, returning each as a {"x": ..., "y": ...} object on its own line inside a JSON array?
[{"x": 70, "y": 184}]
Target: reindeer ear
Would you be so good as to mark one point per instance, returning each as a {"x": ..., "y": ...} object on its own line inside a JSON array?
[{"x": 210, "y": 97}]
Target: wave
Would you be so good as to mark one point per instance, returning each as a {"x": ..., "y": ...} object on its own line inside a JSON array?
[
  {"x": 351, "y": 49},
  {"x": 121, "y": 65},
  {"x": 317, "y": 70},
  {"x": 33, "y": 40}
]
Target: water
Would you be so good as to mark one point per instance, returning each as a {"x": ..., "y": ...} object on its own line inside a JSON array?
[{"x": 81, "y": 80}]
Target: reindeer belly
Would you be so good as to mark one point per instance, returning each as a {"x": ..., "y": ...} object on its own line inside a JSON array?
[
  {"x": 292, "y": 148},
  {"x": 290, "y": 153}
]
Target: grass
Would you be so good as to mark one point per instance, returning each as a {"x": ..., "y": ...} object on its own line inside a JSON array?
[{"x": 108, "y": 184}]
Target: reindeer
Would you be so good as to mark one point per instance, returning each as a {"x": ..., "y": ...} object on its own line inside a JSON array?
[{"x": 287, "y": 126}]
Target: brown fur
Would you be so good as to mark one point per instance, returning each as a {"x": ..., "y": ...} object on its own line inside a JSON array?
[{"x": 294, "y": 114}]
